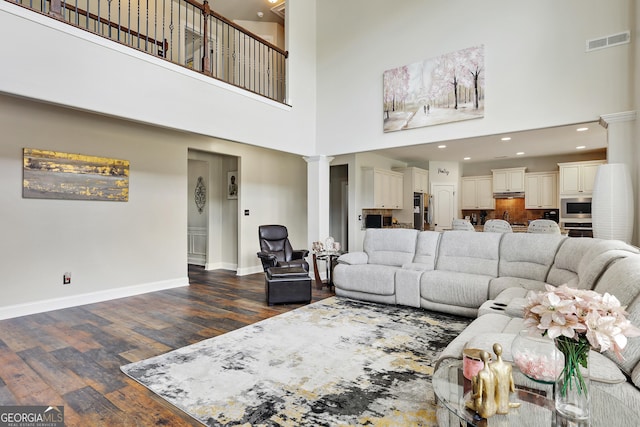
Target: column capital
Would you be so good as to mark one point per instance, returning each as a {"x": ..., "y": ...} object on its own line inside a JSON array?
[
  {"x": 316, "y": 159},
  {"x": 625, "y": 116}
]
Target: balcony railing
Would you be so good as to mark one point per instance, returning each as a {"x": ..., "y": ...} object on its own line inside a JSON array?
[{"x": 184, "y": 32}]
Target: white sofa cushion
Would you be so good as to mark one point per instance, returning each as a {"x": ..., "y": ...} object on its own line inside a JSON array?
[
  {"x": 565, "y": 267},
  {"x": 453, "y": 288},
  {"x": 528, "y": 256},
  {"x": 596, "y": 260},
  {"x": 501, "y": 284},
  {"x": 390, "y": 246},
  {"x": 622, "y": 279},
  {"x": 473, "y": 253},
  {"x": 426, "y": 249},
  {"x": 368, "y": 278},
  {"x": 353, "y": 258}
]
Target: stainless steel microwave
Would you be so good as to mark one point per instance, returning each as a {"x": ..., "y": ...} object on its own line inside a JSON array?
[{"x": 576, "y": 208}]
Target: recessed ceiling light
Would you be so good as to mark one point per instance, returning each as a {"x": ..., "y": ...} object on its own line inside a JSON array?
[
  {"x": 273, "y": 1},
  {"x": 519, "y": 153},
  {"x": 506, "y": 138},
  {"x": 442, "y": 146},
  {"x": 581, "y": 129},
  {"x": 467, "y": 158},
  {"x": 581, "y": 147}
]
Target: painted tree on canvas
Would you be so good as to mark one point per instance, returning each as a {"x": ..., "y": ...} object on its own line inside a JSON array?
[
  {"x": 443, "y": 89},
  {"x": 473, "y": 71},
  {"x": 396, "y": 87},
  {"x": 455, "y": 69}
]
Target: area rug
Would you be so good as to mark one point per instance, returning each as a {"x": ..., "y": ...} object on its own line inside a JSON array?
[{"x": 337, "y": 362}]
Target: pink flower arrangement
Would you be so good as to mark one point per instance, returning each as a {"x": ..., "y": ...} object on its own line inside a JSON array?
[
  {"x": 577, "y": 320},
  {"x": 577, "y": 314}
]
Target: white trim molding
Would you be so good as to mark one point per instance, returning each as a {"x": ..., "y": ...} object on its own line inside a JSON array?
[
  {"x": 90, "y": 298},
  {"x": 625, "y": 116}
]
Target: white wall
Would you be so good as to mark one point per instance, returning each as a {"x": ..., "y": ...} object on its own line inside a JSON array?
[
  {"x": 134, "y": 245},
  {"x": 117, "y": 249},
  {"x": 270, "y": 31},
  {"x": 58, "y": 63},
  {"x": 537, "y": 72}
]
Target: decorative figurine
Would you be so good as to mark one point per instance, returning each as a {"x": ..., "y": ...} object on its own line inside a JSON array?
[
  {"x": 504, "y": 380},
  {"x": 483, "y": 397}
]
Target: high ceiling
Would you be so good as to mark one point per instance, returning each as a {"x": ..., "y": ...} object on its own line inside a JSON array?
[
  {"x": 534, "y": 143},
  {"x": 247, "y": 10}
]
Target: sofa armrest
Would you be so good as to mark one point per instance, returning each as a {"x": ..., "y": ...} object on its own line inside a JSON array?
[
  {"x": 354, "y": 258},
  {"x": 509, "y": 294}
]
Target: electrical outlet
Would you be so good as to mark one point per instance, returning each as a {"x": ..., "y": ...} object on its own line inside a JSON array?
[{"x": 66, "y": 279}]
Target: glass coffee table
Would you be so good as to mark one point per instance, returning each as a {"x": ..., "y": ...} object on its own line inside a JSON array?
[{"x": 452, "y": 390}]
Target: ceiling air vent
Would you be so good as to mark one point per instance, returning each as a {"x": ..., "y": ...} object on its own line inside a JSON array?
[{"x": 608, "y": 41}]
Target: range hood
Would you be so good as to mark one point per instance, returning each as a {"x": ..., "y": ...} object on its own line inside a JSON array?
[{"x": 509, "y": 195}]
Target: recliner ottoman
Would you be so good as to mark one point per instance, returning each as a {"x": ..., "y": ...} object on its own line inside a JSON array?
[{"x": 287, "y": 285}]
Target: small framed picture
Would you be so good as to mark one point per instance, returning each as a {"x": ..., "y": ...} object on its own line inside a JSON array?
[{"x": 232, "y": 185}]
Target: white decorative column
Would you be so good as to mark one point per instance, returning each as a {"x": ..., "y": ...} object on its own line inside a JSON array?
[
  {"x": 622, "y": 139},
  {"x": 317, "y": 198}
]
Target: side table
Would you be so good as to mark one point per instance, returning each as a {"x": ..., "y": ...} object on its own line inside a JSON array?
[{"x": 330, "y": 258}]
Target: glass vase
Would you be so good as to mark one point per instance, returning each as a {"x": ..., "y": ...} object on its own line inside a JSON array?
[
  {"x": 535, "y": 356},
  {"x": 571, "y": 389}
]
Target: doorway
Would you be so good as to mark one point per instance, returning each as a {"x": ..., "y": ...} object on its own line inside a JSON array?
[
  {"x": 212, "y": 232},
  {"x": 443, "y": 205}
]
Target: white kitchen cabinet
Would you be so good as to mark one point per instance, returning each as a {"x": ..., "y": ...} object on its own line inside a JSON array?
[
  {"x": 577, "y": 178},
  {"x": 541, "y": 190},
  {"x": 420, "y": 180},
  {"x": 477, "y": 192},
  {"x": 416, "y": 180},
  {"x": 382, "y": 189},
  {"x": 508, "y": 180}
]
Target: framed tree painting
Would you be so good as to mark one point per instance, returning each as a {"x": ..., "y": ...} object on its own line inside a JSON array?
[{"x": 448, "y": 88}]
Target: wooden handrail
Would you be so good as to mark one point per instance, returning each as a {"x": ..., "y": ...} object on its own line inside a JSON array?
[
  {"x": 264, "y": 79},
  {"x": 216, "y": 15},
  {"x": 164, "y": 43}
]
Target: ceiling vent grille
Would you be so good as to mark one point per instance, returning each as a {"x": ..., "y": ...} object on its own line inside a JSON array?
[{"x": 608, "y": 41}]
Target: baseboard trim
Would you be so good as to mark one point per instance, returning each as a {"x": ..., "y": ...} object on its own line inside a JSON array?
[
  {"x": 90, "y": 298},
  {"x": 250, "y": 270},
  {"x": 220, "y": 266}
]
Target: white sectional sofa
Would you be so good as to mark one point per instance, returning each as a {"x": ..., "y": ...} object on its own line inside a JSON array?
[
  {"x": 487, "y": 276},
  {"x": 458, "y": 272}
]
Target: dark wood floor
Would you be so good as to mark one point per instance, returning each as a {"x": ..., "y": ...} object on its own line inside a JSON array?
[{"x": 72, "y": 357}]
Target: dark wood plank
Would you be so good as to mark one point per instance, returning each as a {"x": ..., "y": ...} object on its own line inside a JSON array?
[{"x": 72, "y": 357}]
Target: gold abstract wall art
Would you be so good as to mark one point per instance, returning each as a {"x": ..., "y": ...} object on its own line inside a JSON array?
[{"x": 54, "y": 175}]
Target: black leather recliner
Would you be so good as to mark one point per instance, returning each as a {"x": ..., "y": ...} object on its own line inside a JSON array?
[{"x": 276, "y": 251}]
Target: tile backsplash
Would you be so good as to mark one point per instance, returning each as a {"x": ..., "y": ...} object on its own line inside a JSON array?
[{"x": 515, "y": 207}]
